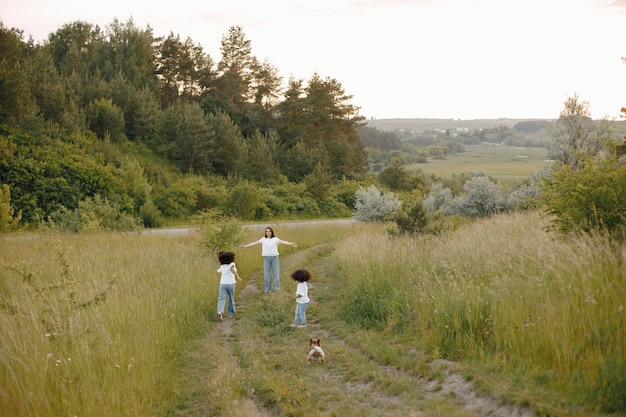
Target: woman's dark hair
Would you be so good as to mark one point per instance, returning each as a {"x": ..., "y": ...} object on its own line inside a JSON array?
[
  {"x": 226, "y": 257},
  {"x": 270, "y": 229},
  {"x": 301, "y": 275}
]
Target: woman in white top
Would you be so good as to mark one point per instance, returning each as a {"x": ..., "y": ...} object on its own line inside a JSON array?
[
  {"x": 228, "y": 280},
  {"x": 269, "y": 250}
]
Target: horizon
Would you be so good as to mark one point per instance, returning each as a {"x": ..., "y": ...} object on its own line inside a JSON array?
[{"x": 434, "y": 59}]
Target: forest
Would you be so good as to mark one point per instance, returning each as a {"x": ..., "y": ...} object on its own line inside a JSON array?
[
  {"x": 155, "y": 128},
  {"x": 116, "y": 129}
]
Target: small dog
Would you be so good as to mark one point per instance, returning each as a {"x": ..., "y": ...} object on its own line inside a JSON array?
[{"x": 315, "y": 351}]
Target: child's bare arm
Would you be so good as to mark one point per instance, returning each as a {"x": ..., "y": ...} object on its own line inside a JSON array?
[{"x": 234, "y": 271}]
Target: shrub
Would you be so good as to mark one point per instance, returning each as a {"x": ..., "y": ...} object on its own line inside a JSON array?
[
  {"x": 413, "y": 221},
  {"x": 245, "y": 201},
  {"x": 150, "y": 215},
  {"x": 589, "y": 199},
  {"x": 7, "y": 219},
  {"x": 219, "y": 232},
  {"x": 371, "y": 205},
  {"x": 93, "y": 215}
]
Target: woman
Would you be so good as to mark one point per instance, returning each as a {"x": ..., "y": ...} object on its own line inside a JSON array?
[{"x": 269, "y": 244}]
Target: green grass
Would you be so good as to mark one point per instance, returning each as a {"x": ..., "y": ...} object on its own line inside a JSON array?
[
  {"x": 125, "y": 325},
  {"x": 507, "y": 164}
]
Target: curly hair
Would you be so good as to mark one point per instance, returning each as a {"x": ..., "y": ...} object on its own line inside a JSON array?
[
  {"x": 301, "y": 275},
  {"x": 226, "y": 257}
]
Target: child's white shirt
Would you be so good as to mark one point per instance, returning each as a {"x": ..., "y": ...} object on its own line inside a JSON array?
[
  {"x": 303, "y": 290},
  {"x": 227, "y": 275}
]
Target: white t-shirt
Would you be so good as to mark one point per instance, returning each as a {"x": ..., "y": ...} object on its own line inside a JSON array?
[
  {"x": 303, "y": 290},
  {"x": 227, "y": 275},
  {"x": 269, "y": 245}
]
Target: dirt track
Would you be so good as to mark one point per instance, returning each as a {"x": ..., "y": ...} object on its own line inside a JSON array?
[{"x": 413, "y": 395}]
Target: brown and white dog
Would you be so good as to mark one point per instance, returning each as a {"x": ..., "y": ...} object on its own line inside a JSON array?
[{"x": 315, "y": 351}]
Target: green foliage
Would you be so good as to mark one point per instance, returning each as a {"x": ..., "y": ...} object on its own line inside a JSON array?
[
  {"x": 46, "y": 173},
  {"x": 122, "y": 85},
  {"x": 609, "y": 390},
  {"x": 15, "y": 97},
  {"x": 317, "y": 124},
  {"x": 92, "y": 215},
  {"x": 586, "y": 192},
  {"x": 395, "y": 176},
  {"x": 150, "y": 215},
  {"x": 8, "y": 218},
  {"x": 318, "y": 182},
  {"x": 589, "y": 199},
  {"x": 219, "y": 232},
  {"x": 414, "y": 221},
  {"x": 134, "y": 182},
  {"x": 105, "y": 119},
  {"x": 181, "y": 197},
  {"x": 226, "y": 145},
  {"x": 245, "y": 201},
  {"x": 178, "y": 200},
  {"x": 186, "y": 137},
  {"x": 344, "y": 192},
  {"x": 368, "y": 303},
  {"x": 378, "y": 139},
  {"x": 261, "y": 162}
]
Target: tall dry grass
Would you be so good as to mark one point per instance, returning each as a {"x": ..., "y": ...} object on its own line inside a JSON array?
[
  {"x": 103, "y": 324},
  {"x": 502, "y": 290},
  {"x": 97, "y": 324}
]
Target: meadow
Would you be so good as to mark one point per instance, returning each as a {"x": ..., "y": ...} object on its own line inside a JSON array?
[
  {"x": 125, "y": 325},
  {"x": 508, "y": 164}
]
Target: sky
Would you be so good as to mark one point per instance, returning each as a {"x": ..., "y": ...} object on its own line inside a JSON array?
[{"x": 444, "y": 59}]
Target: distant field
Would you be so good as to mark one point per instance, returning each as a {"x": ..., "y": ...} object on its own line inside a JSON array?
[
  {"x": 508, "y": 164},
  {"x": 431, "y": 124}
]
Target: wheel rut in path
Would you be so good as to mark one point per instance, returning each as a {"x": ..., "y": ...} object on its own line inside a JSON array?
[{"x": 403, "y": 393}]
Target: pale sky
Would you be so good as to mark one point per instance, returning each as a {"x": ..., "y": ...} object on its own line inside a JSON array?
[{"x": 461, "y": 59}]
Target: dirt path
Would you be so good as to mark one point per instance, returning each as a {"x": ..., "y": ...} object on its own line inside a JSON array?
[{"x": 268, "y": 360}]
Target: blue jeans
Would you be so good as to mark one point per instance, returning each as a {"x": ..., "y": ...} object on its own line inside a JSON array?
[
  {"x": 300, "y": 314},
  {"x": 226, "y": 291},
  {"x": 271, "y": 264}
]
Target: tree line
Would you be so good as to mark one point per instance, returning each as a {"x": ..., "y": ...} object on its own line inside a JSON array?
[
  {"x": 115, "y": 128},
  {"x": 127, "y": 116}
]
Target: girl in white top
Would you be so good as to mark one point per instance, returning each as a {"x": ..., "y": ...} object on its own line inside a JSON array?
[
  {"x": 269, "y": 250},
  {"x": 228, "y": 279},
  {"x": 301, "y": 297}
]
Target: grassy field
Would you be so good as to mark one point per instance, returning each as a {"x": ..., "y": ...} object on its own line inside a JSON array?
[
  {"x": 508, "y": 164},
  {"x": 431, "y": 124},
  {"x": 498, "y": 318}
]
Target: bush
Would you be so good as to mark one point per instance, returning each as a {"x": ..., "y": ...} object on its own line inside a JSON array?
[
  {"x": 413, "y": 221},
  {"x": 7, "y": 219},
  {"x": 93, "y": 215},
  {"x": 219, "y": 232},
  {"x": 245, "y": 201},
  {"x": 150, "y": 215},
  {"x": 589, "y": 199},
  {"x": 372, "y": 206}
]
